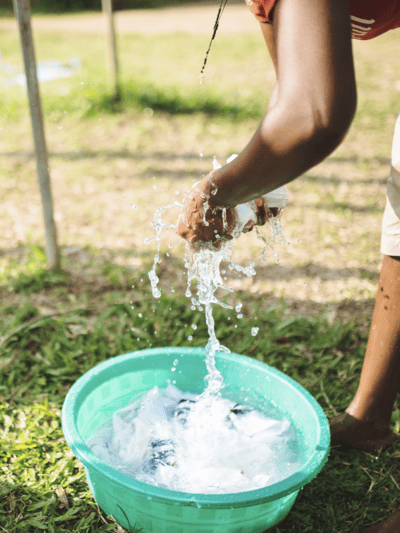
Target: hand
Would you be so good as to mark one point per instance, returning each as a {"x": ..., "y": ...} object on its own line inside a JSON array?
[
  {"x": 199, "y": 222},
  {"x": 263, "y": 214}
]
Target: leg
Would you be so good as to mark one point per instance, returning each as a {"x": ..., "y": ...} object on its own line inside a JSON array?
[{"x": 365, "y": 424}]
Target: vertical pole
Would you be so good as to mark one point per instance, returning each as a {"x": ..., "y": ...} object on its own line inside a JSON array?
[
  {"x": 112, "y": 49},
  {"x": 23, "y": 14}
]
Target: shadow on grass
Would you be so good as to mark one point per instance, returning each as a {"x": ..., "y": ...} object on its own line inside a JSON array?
[{"x": 169, "y": 100}]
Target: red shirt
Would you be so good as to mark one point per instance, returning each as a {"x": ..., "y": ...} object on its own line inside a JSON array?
[{"x": 369, "y": 18}]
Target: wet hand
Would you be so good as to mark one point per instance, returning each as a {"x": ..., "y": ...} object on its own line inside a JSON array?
[
  {"x": 263, "y": 213},
  {"x": 199, "y": 222}
]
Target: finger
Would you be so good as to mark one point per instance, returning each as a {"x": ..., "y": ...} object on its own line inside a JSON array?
[
  {"x": 261, "y": 211},
  {"x": 248, "y": 226},
  {"x": 274, "y": 211}
]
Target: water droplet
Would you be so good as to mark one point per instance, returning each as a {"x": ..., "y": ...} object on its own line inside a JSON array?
[
  {"x": 278, "y": 261},
  {"x": 133, "y": 206},
  {"x": 190, "y": 338},
  {"x": 201, "y": 154},
  {"x": 175, "y": 362},
  {"x": 173, "y": 369},
  {"x": 140, "y": 315},
  {"x": 238, "y": 307},
  {"x": 240, "y": 315},
  {"x": 194, "y": 326},
  {"x": 59, "y": 127},
  {"x": 154, "y": 186},
  {"x": 254, "y": 331}
]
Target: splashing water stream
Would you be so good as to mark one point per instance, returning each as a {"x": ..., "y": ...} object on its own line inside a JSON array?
[
  {"x": 209, "y": 444},
  {"x": 203, "y": 267}
]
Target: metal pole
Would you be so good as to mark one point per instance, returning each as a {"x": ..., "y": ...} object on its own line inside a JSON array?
[
  {"x": 23, "y": 14},
  {"x": 112, "y": 49}
]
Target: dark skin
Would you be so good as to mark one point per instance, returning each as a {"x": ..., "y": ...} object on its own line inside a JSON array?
[{"x": 309, "y": 112}]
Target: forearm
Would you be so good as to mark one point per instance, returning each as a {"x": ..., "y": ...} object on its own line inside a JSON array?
[{"x": 287, "y": 143}]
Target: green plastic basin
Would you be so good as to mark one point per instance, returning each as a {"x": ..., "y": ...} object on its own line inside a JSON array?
[{"x": 134, "y": 504}]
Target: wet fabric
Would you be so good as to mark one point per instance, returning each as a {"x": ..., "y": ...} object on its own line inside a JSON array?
[
  {"x": 390, "y": 242},
  {"x": 206, "y": 446}
]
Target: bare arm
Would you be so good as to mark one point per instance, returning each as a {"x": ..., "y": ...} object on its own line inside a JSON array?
[
  {"x": 311, "y": 107},
  {"x": 309, "y": 112}
]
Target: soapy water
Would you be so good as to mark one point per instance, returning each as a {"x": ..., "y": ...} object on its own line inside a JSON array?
[{"x": 199, "y": 445}]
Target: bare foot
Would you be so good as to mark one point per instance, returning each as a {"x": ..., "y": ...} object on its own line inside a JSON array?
[
  {"x": 352, "y": 433},
  {"x": 390, "y": 525}
]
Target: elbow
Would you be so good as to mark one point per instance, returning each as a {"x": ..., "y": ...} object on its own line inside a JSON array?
[
  {"x": 328, "y": 127},
  {"x": 308, "y": 131}
]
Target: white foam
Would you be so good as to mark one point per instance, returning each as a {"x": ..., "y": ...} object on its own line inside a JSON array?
[{"x": 204, "y": 445}]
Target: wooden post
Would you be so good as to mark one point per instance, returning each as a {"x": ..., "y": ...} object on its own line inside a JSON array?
[
  {"x": 23, "y": 14},
  {"x": 112, "y": 49}
]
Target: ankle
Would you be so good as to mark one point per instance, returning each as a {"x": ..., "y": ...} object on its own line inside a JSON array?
[{"x": 374, "y": 416}]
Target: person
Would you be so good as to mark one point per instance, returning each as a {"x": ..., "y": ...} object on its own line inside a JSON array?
[{"x": 309, "y": 113}]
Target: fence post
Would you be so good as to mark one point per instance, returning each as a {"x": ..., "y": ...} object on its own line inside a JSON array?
[
  {"x": 23, "y": 14},
  {"x": 112, "y": 49}
]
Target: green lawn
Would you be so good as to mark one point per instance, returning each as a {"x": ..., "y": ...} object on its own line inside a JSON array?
[{"x": 105, "y": 156}]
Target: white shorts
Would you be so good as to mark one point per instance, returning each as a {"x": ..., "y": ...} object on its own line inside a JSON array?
[{"x": 390, "y": 242}]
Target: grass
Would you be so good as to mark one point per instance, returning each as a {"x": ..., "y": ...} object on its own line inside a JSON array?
[
  {"x": 43, "y": 486},
  {"x": 313, "y": 310},
  {"x": 147, "y": 80}
]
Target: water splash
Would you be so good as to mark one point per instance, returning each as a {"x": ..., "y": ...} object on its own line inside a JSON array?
[
  {"x": 157, "y": 224},
  {"x": 203, "y": 269},
  {"x": 276, "y": 237}
]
